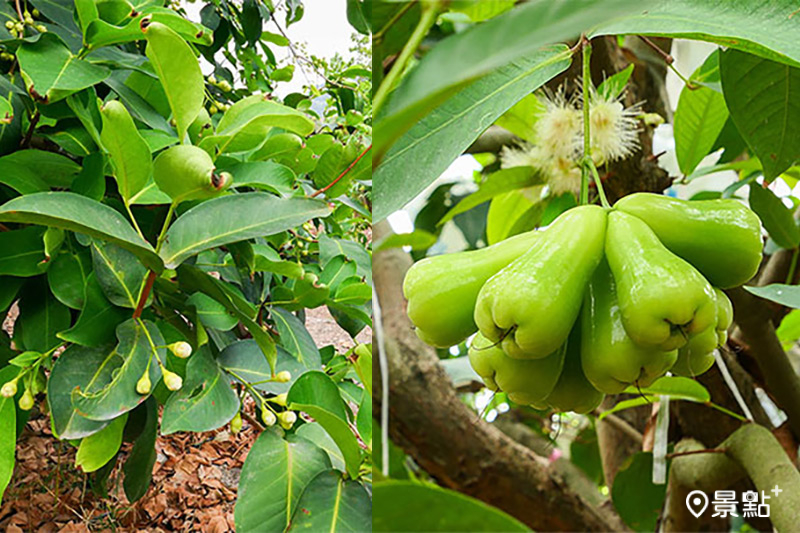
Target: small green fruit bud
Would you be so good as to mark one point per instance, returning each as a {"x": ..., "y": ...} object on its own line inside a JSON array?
[
  {"x": 186, "y": 172},
  {"x": 287, "y": 419},
  {"x": 28, "y": 19},
  {"x": 26, "y": 401},
  {"x": 36, "y": 12},
  {"x": 9, "y": 24},
  {"x": 284, "y": 376},
  {"x": 172, "y": 380},
  {"x": 213, "y": 110},
  {"x": 143, "y": 386},
  {"x": 212, "y": 79},
  {"x": 280, "y": 399},
  {"x": 41, "y": 28},
  {"x": 268, "y": 417},
  {"x": 20, "y": 27},
  {"x": 224, "y": 86},
  {"x": 9, "y": 389},
  {"x": 181, "y": 349},
  {"x": 236, "y": 423}
]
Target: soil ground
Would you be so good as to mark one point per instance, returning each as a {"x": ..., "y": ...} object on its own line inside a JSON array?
[{"x": 194, "y": 479}]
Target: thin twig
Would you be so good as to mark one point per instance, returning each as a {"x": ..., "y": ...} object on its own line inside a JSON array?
[
  {"x": 343, "y": 174},
  {"x": 624, "y": 427},
  {"x": 148, "y": 286},
  {"x": 29, "y": 134}
]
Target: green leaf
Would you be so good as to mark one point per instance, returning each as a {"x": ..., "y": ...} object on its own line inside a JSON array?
[
  {"x": 98, "y": 319},
  {"x": 138, "y": 467},
  {"x": 363, "y": 366},
  {"x": 41, "y": 317},
  {"x": 67, "y": 277},
  {"x": 636, "y": 498},
  {"x": 416, "y": 240},
  {"x": 316, "y": 434},
  {"x": 77, "y": 213},
  {"x": 295, "y": 338},
  {"x": 676, "y": 387},
  {"x": 51, "y": 72},
  {"x": 212, "y": 313},
  {"x": 206, "y": 401},
  {"x": 245, "y": 125},
  {"x": 788, "y": 295},
  {"x": 9, "y": 287},
  {"x": 316, "y": 394},
  {"x": 776, "y": 217},
  {"x": 20, "y": 178},
  {"x": 521, "y": 118},
  {"x": 74, "y": 368},
  {"x": 762, "y": 97},
  {"x": 445, "y": 131},
  {"x": 86, "y": 10},
  {"x": 232, "y": 219},
  {"x": 179, "y": 72},
  {"x": 755, "y": 27},
  {"x": 112, "y": 389},
  {"x": 409, "y": 506},
  {"x": 101, "y": 33},
  {"x": 84, "y": 105},
  {"x": 98, "y": 449},
  {"x": 22, "y": 252},
  {"x": 288, "y": 466},
  {"x": 8, "y": 431},
  {"x": 466, "y": 56},
  {"x": 613, "y": 86},
  {"x": 265, "y": 175},
  {"x": 496, "y": 183},
  {"x": 54, "y": 169},
  {"x": 329, "y": 503},
  {"x": 244, "y": 359},
  {"x": 330, "y": 247},
  {"x": 699, "y": 119},
  {"x": 118, "y": 272},
  {"x": 129, "y": 153}
]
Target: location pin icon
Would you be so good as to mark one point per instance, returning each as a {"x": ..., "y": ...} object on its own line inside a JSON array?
[{"x": 697, "y": 502}]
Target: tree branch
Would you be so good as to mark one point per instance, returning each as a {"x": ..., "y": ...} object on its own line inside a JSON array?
[{"x": 431, "y": 423}]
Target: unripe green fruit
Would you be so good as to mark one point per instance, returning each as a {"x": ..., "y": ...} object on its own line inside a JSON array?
[
  {"x": 172, "y": 380},
  {"x": 283, "y": 376},
  {"x": 268, "y": 417},
  {"x": 287, "y": 419},
  {"x": 698, "y": 354},
  {"x": 236, "y": 423},
  {"x": 26, "y": 401},
  {"x": 526, "y": 381},
  {"x": 9, "y": 389},
  {"x": 200, "y": 127},
  {"x": 186, "y": 172},
  {"x": 573, "y": 392},
  {"x": 144, "y": 385},
  {"x": 442, "y": 290},
  {"x": 532, "y": 304},
  {"x": 9, "y": 24}
]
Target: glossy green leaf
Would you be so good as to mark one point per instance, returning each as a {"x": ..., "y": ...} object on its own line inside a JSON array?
[
  {"x": 521, "y": 118},
  {"x": 285, "y": 468},
  {"x": 22, "y": 252},
  {"x": 436, "y": 139},
  {"x": 20, "y": 178},
  {"x": 8, "y": 431},
  {"x": 760, "y": 27},
  {"x": 179, "y": 72},
  {"x": 331, "y": 503},
  {"x": 336, "y": 271},
  {"x": 762, "y": 96},
  {"x": 138, "y": 467},
  {"x": 614, "y": 86},
  {"x": 352, "y": 293},
  {"x": 295, "y": 338},
  {"x": 118, "y": 272},
  {"x": 101, "y": 33},
  {"x": 56, "y": 170},
  {"x": 9, "y": 287},
  {"x": 330, "y": 247},
  {"x": 75, "y": 367},
  {"x": 699, "y": 119},
  {"x": 244, "y": 360},
  {"x": 266, "y": 175},
  {"x": 130, "y": 155},
  {"x": 235, "y": 218},
  {"x": 86, "y": 10},
  {"x": 245, "y": 125},
  {"x": 416, "y": 240},
  {"x": 776, "y": 217},
  {"x": 212, "y": 313},
  {"x": 51, "y": 71},
  {"x": 97, "y": 320},
  {"x": 268, "y": 260},
  {"x": 67, "y": 275},
  {"x": 206, "y": 401},
  {"x": 77, "y": 213},
  {"x": 41, "y": 317},
  {"x": 112, "y": 389},
  {"x": 406, "y": 505},
  {"x": 788, "y": 295},
  {"x": 675, "y": 387},
  {"x": 85, "y": 106},
  {"x": 469, "y": 55},
  {"x": 98, "y": 449},
  {"x": 364, "y": 418},
  {"x": 316, "y": 434},
  {"x": 316, "y": 394}
]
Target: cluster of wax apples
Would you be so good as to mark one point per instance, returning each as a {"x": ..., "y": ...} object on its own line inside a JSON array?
[{"x": 600, "y": 300}]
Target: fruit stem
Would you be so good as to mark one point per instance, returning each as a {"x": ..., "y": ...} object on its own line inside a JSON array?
[
  {"x": 167, "y": 220},
  {"x": 792, "y": 267},
  {"x": 587, "y": 144},
  {"x": 430, "y": 10},
  {"x": 598, "y": 182}
]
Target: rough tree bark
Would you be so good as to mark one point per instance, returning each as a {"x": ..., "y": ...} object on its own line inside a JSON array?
[{"x": 449, "y": 441}]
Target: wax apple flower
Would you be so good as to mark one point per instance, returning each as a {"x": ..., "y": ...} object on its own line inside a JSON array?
[{"x": 614, "y": 128}]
